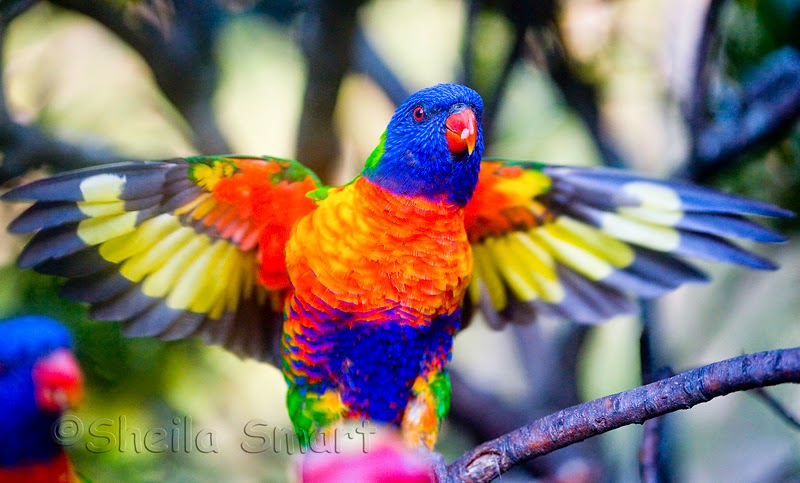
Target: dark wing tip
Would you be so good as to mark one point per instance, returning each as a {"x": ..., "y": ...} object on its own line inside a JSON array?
[
  {"x": 763, "y": 208},
  {"x": 16, "y": 194},
  {"x": 49, "y": 244},
  {"x": 19, "y": 226},
  {"x": 783, "y": 212},
  {"x": 143, "y": 179},
  {"x": 764, "y": 264}
]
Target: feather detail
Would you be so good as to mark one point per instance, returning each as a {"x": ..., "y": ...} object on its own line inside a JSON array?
[
  {"x": 170, "y": 248},
  {"x": 593, "y": 237}
]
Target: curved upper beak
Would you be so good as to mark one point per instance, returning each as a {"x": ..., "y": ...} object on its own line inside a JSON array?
[
  {"x": 462, "y": 131},
  {"x": 58, "y": 381}
]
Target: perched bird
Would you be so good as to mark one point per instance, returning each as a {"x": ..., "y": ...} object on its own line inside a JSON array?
[
  {"x": 39, "y": 379},
  {"x": 357, "y": 291}
]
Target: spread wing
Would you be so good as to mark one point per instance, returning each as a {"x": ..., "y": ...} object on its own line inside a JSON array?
[
  {"x": 176, "y": 248},
  {"x": 580, "y": 242}
]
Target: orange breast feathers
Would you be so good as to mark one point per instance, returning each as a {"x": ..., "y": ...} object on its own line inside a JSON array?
[{"x": 365, "y": 250}]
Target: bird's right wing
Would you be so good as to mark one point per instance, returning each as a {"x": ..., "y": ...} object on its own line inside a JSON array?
[{"x": 173, "y": 249}]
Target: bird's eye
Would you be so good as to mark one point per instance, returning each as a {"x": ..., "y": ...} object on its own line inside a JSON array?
[{"x": 418, "y": 113}]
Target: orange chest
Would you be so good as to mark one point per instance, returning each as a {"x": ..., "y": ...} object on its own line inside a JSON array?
[{"x": 367, "y": 250}]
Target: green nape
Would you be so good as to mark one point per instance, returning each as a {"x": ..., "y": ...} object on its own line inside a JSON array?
[
  {"x": 375, "y": 157},
  {"x": 322, "y": 192}
]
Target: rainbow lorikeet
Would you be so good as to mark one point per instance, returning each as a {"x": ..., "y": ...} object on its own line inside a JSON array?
[
  {"x": 357, "y": 291},
  {"x": 39, "y": 379}
]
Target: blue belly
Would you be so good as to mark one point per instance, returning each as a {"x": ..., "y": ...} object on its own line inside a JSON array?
[{"x": 374, "y": 365}]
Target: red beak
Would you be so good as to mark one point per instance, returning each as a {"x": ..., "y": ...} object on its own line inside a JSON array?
[
  {"x": 57, "y": 381},
  {"x": 462, "y": 131}
]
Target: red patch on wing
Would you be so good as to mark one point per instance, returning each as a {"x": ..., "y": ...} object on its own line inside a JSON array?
[
  {"x": 264, "y": 213},
  {"x": 492, "y": 212},
  {"x": 482, "y": 215}
]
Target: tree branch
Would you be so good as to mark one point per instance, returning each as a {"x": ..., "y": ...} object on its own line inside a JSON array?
[
  {"x": 180, "y": 55},
  {"x": 762, "y": 110},
  {"x": 370, "y": 63},
  {"x": 328, "y": 34},
  {"x": 696, "y": 110},
  {"x": 27, "y": 147},
  {"x": 652, "y": 462},
  {"x": 490, "y": 460},
  {"x": 653, "y": 465}
]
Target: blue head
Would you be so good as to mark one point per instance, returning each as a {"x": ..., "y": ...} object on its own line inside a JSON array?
[
  {"x": 432, "y": 146},
  {"x": 39, "y": 378}
]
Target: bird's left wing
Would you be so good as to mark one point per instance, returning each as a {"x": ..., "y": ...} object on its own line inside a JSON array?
[
  {"x": 580, "y": 242},
  {"x": 173, "y": 249}
]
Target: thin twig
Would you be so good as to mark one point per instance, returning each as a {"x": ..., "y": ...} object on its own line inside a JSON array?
[
  {"x": 652, "y": 461},
  {"x": 496, "y": 97},
  {"x": 650, "y": 467},
  {"x": 370, "y": 63},
  {"x": 28, "y": 147},
  {"x": 776, "y": 406},
  {"x": 327, "y": 41},
  {"x": 697, "y": 107},
  {"x": 653, "y": 465},
  {"x": 490, "y": 460},
  {"x": 5, "y": 116}
]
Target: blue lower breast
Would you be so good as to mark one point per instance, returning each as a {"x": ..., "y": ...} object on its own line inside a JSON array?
[{"x": 375, "y": 365}]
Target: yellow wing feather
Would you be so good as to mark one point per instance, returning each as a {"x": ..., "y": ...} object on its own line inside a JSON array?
[{"x": 580, "y": 242}]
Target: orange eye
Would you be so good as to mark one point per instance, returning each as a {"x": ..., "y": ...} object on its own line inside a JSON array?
[{"x": 418, "y": 113}]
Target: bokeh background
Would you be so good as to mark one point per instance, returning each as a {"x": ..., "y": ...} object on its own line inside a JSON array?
[{"x": 705, "y": 90}]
